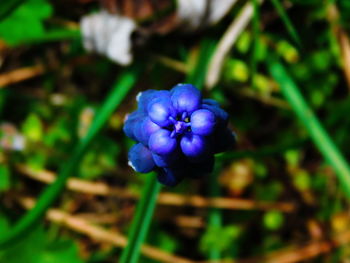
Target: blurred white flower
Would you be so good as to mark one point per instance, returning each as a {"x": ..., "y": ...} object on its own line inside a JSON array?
[
  {"x": 200, "y": 13},
  {"x": 108, "y": 35}
]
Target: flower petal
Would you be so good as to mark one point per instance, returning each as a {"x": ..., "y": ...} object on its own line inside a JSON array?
[
  {"x": 130, "y": 122},
  {"x": 193, "y": 146},
  {"x": 211, "y": 102},
  {"x": 140, "y": 159},
  {"x": 160, "y": 110},
  {"x": 145, "y": 97},
  {"x": 220, "y": 114},
  {"x": 170, "y": 177},
  {"x": 160, "y": 142},
  {"x": 186, "y": 98},
  {"x": 145, "y": 129},
  {"x": 202, "y": 122},
  {"x": 174, "y": 159}
]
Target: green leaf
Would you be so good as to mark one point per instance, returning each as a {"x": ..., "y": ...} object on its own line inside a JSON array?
[
  {"x": 273, "y": 220},
  {"x": 25, "y": 22},
  {"x": 227, "y": 234},
  {"x": 302, "y": 180},
  {"x": 244, "y": 42},
  {"x": 60, "y": 251},
  {"x": 4, "y": 224},
  {"x": 8, "y": 6},
  {"x": 32, "y": 127},
  {"x": 236, "y": 70},
  {"x": 36, "y": 248},
  {"x": 4, "y": 178}
]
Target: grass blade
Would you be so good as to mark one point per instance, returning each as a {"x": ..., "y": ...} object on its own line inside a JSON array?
[
  {"x": 50, "y": 194},
  {"x": 287, "y": 22},
  {"x": 142, "y": 220},
  {"x": 318, "y": 134}
]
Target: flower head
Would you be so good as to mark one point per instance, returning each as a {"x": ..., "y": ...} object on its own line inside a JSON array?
[{"x": 177, "y": 133}]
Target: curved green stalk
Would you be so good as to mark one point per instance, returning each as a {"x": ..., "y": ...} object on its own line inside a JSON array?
[
  {"x": 318, "y": 134},
  {"x": 50, "y": 194}
]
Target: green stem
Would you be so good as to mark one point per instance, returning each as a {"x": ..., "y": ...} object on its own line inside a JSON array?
[
  {"x": 215, "y": 215},
  {"x": 318, "y": 134},
  {"x": 142, "y": 220},
  {"x": 51, "y": 193}
]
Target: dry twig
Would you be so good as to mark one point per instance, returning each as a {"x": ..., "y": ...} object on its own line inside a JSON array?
[
  {"x": 98, "y": 188},
  {"x": 21, "y": 74},
  {"x": 292, "y": 255},
  {"x": 100, "y": 234}
]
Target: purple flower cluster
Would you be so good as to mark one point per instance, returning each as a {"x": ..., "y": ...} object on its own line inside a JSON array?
[{"x": 177, "y": 133}]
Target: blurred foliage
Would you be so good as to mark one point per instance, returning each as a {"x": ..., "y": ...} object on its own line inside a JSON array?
[
  {"x": 43, "y": 118},
  {"x": 38, "y": 247},
  {"x": 25, "y": 22}
]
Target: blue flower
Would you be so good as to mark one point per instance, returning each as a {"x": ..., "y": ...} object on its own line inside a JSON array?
[{"x": 177, "y": 133}]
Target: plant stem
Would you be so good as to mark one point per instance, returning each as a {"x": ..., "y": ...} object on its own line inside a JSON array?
[{"x": 142, "y": 220}]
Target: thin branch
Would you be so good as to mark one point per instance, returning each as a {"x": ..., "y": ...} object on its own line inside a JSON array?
[
  {"x": 100, "y": 234},
  {"x": 171, "y": 199},
  {"x": 21, "y": 74},
  {"x": 293, "y": 254}
]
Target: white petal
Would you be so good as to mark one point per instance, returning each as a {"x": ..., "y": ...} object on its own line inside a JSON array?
[
  {"x": 109, "y": 35},
  {"x": 199, "y": 13}
]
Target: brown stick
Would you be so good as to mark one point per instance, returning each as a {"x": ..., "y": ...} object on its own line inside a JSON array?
[
  {"x": 21, "y": 74},
  {"x": 291, "y": 255},
  {"x": 98, "y": 188},
  {"x": 100, "y": 234}
]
